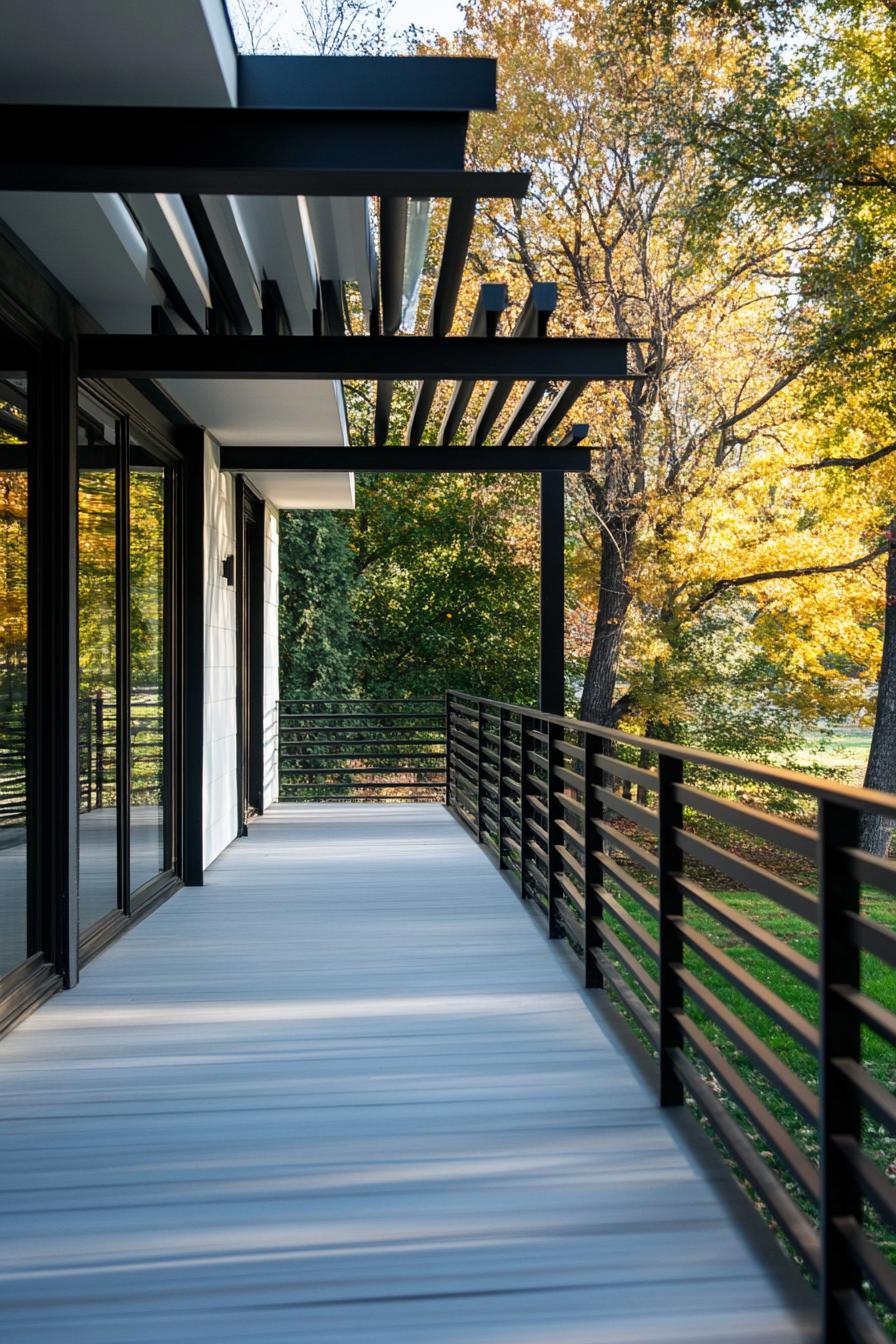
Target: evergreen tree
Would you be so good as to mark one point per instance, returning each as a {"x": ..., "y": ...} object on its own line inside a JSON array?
[{"x": 317, "y": 575}]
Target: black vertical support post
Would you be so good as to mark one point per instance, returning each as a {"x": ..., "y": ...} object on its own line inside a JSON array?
[
  {"x": 594, "y": 873},
  {"x": 56, "y": 748},
  {"x": 447, "y": 749},
  {"x": 123, "y": 732},
  {"x": 526, "y": 745},
  {"x": 255, "y": 658},
  {"x": 100, "y": 740},
  {"x": 479, "y": 827},
  {"x": 671, "y": 948},
  {"x": 555, "y": 835},
  {"x": 191, "y": 550},
  {"x": 840, "y": 1033},
  {"x": 551, "y": 598},
  {"x": 502, "y": 862}
]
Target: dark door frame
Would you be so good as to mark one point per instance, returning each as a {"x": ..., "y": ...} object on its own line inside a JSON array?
[
  {"x": 249, "y": 579},
  {"x": 157, "y": 441}
]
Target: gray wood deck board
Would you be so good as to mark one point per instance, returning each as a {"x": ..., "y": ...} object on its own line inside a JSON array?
[{"x": 345, "y": 1091}]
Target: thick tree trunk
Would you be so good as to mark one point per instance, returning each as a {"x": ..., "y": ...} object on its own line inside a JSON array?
[
  {"x": 881, "y": 773},
  {"x": 599, "y": 691}
]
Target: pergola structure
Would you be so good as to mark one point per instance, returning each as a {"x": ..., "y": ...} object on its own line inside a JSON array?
[{"x": 393, "y": 130}]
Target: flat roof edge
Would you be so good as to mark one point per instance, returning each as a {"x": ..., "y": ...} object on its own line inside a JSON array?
[{"x": 369, "y": 83}]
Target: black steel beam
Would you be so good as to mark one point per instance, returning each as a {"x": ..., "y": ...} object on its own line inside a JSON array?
[
  {"x": 459, "y": 230},
  {"x": 552, "y": 611},
  {"x": 568, "y": 456},
  {"x": 492, "y": 302},
  {"x": 393, "y": 240},
  {"x": 558, "y": 410},
  {"x": 227, "y": 313},
  {"x": 532, "y": 322},
  {"x": 274, "y": 317},
  {"x": 369, "y": 83},
  {"x": 526, "y": 407},
  {"x": 461, "y": 218},
  {"x": 244, "y": 151},
  {"x": 393, "y": 244},
  {"x": 358, "y": 357}
]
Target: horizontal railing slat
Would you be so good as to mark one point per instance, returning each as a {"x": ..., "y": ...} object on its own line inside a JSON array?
[
  {"x": 771, "y": 1003},
  {"x": 750, "y": 932},
  {"x": 724, "y": 1025},
  {"x": 362, "y": 749},
  {"x": 762, "y": 1119},
  {"x": 785, "y": 834},
  {"x": 785, "y": 1209},
  {"x": 750, "y": 875}
]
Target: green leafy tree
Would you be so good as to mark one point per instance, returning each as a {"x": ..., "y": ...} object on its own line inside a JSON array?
[
  {"x": 318, "y": 652},
  {"x": 447, "y": 593}
]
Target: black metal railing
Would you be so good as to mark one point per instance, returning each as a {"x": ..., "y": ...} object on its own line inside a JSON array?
[
  {"x": 13, "y": 777},
  {"x": 97, "y": 757},
  {"x": 98, "y": 748},
  {"x": 753, "y": 953},
  {"x": 362, "y": 750}
]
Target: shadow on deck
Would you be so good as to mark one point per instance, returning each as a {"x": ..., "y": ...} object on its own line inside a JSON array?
[{"x": 346, "y": 1091}]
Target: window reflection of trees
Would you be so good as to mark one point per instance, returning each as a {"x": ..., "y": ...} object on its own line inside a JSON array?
[
  {"x": 14, "y": 946},
  {"x": 147, "y": 552},
  {"x": 97, "y": 635},
  {"x": 13, "y": 606}
]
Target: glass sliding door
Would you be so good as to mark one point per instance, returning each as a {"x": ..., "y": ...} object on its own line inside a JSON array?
[
  {"x": 14, "y": 803},
  {"x": 98, "y": 644},
  {"x": 150, "y": 800}
]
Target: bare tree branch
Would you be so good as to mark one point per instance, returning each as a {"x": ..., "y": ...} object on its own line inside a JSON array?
[
  {"x": 745, "y": 579},
  {"x": 848, "y": 461}
]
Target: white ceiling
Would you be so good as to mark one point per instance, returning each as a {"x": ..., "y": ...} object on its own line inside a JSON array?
[
  {"x": 306, "y": 489},
  {"x": 238, "y": 412}
]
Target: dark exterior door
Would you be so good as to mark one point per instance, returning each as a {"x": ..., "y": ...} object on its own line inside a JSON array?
[{"x": 250, "y": 651}]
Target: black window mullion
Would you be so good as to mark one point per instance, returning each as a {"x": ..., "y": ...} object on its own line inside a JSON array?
[{"x": 123, "y": 661}]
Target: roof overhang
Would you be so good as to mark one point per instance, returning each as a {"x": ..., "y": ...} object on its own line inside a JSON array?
[{"x": 188, "y": 215}]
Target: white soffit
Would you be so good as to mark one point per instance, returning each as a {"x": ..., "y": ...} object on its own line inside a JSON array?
[
  {"x": 178, "y": 53},
  {"x": 270, "y": 411},
  {"x": 227, "y": 223},
  {"x": 342, "y": 241},
  {"x": 167, "y": 227},
  {"x": 278, "y": 237},
  {"x": 305, "y": 489},
  {"x": 92, "y": 246}
]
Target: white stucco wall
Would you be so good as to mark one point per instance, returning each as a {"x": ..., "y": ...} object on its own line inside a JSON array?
[
  {"x": 219, "y": 799},
  {"x": 271, "y": 650}
]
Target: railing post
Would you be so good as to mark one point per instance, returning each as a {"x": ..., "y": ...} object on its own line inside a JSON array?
[
  {"x": 501, "y": 727},
  {"x": 671, "y": 907},
  {"x": 555, "y": 836},
  {"x": 526, "y": 745},
  {"x": 447, "y": 748},
  {"x": 594, "y": 873},
  {"x": 448, "y": 759},
  {"x": 479, "y": 826},
  {"x": 99, "y": 736},
  {"x": 839, "y": 963}
]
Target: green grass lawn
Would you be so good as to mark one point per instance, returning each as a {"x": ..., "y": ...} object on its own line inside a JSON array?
[{"x": 844, "y": 752}]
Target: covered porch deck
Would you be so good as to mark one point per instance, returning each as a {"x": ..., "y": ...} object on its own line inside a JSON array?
[{"x": 347, "y": 1091}]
